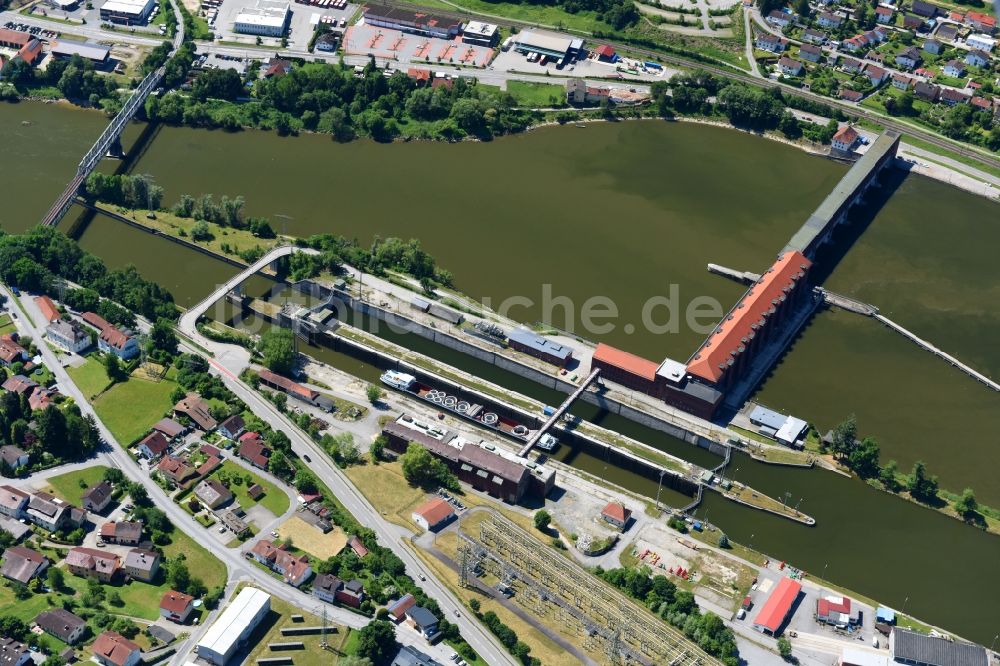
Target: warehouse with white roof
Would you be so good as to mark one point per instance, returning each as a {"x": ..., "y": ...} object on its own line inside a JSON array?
[
  {"x": 267, "y": 18},
  {"x": 234, "y": 626},
  {"x": 127, "y": 12}
]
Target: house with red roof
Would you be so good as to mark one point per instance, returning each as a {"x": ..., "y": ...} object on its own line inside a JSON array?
[
  {"x": 778, "y": 607},
  {"x": 11, "y": 350},
  {"x": 616, "y": 514},
  {"x": 836, "y": 611},
  {"x": 48, "y": 308},
  {"x": 981, "y": 22},
  {"x": 433, "y": 514},
  {"x": 295, "y": 569},
  {"x": 606, "y": 53},
  {"x": 113, "y": 649},
  {"x": 253, "y": 450}
]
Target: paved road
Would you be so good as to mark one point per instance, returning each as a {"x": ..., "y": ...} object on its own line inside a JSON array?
[{"x": 238, "y": 568}]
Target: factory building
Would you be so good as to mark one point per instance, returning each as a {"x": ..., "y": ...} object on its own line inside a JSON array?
[
  {"x": 408, "y": 20},
  {"x": 267, "y": 18},
  {"x": 548, "y": 44},
  {"x": 481, "y": 34},
  {"x": 234, "y": 626},
  {"x": 127, "y": 12}
]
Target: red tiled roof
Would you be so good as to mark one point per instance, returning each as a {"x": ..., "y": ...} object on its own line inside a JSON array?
[
  {"x": 155, "y": 442},
  {"x": 359, "y": 548},
  {"x": 419, "y": 74},
  {"x": 95, "y": 320},
  {"x": 623, "y": 360},
  {"x": 14, "y": 37},
  {"x": 616, "y": 511},
  {"x": 728, "y": 339},
  {"x": 115, "y": 338},
  {"x": 45, "y": 304},
  {"x": 253, "y": 450},
  {"x": 827, "y": 605},
  {"x": 435, "y": 511},
  {"x": 175, "y": 602},
  {"x": 114, "y": 647},
  {"x": 777, "y": 606},
  {"x": 980, "y": 18},
  {"x": 605, "y": 51},
  {"x": 846, "y": 134},
  {"x": 286, "y": 384}
]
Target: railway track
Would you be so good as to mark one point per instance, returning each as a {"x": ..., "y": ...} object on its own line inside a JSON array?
[{"x": 735, "y": 74}]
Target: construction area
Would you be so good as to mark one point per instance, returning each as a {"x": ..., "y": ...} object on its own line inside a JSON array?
[
  {"x": 402, "y": 47},
  {"x": 550, "y": 585}
]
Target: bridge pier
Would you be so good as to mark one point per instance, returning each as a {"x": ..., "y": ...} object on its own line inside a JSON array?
[{"x": 115, "y": 150}]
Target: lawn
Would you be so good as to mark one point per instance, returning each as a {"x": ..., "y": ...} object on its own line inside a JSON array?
[
  {"x": 129, "y": 409},
  {"x": 269, "y": 631},
  {"x": 311, "y": 539},
  {"x": 545, "y": 15},
  {"x": 200, "y": 562},
  {"x": 537, "y": 94},
  {"x": 6, "y": 324},
  {"x": 274, "y": 500},
  {"x": 90, "y": 377},
  {"x": 388, "y": 491},
  {"x": 70, "y": 486}
]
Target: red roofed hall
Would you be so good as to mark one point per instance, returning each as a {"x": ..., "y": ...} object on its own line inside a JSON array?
[
  {"x": 728, "y": 349},
  {"x": 433, "y": 514},
  {"x": 625, "y": 368},
  {"x": 48, "y": 308},
  {"x": 778, "y": 607}
]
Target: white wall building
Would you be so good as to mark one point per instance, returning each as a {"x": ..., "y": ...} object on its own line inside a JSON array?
[
  {"x": 267, "y": 18},
  {"x": 128, "y": 12},
  {"x": 234, "y": 626}
]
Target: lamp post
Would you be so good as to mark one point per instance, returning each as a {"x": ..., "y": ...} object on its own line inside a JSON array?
[
  {"x": 903, "y": 612},
  {"x": 994, "y": 643},
  {"x": 659, "y": 484}
]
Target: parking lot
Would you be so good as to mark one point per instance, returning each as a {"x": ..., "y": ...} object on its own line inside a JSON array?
[
  {"x": 37, "y": 32},
  {"x": 301, "y": 25},
  {"x": 402, "y": 47},
  {"x": 512, "y": 61}
]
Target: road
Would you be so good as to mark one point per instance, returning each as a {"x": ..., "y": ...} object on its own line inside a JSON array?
[{"x": 239, "y": 569}]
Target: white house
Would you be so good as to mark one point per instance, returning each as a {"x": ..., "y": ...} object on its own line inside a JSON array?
[
  {"x": 977, "y": 58},
  {"x": 68, "y": 335},
  {"x": 954, "y": 69},
  {"x": 120, "y": 343},
  {"x": 789, "y": 67},
  {"x": 844, "y": 139},
  {"x": 981, "y": 42},
  {"x": 779, "y": 18}
]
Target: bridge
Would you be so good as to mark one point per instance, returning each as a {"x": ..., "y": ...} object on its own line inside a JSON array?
[
  {"x": 558, "y": 414},
  {"x": 818, "y": 229},
  {"x": 110, "y": 139},
  {"x": 190, "y": 318}
]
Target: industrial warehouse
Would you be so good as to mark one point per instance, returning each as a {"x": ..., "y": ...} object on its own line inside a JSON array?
[
  {"x": 405, "y": 20},
  {"x": 127, "y": 12},
  {"x": 267, "y": 18},
  {"x": 234, "y": 626}
]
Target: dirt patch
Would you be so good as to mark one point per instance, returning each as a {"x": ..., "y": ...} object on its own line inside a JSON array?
[{"x": 311, "y": 539}]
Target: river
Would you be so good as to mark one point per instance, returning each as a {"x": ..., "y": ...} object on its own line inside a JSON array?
[{"x": 624, "y": 211}]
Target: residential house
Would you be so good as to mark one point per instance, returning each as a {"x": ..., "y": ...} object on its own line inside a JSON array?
[
  {"x": 954, "y": 69},
  {"x": 977, "y": 58},
  {"x": 207, "y": 467},
  {"x": 14, "y": 457},
  {"x": 884, "y": 14},
  {"x": 845, "y": 139},
  {"x": 41, "y": 398},
  {"x": 48, "y": 511},
  {"x": 951, "y": 97},
  {"x": 113, "y": 649},
  {"x": 423, "y": 621},
  {"x": 981, "y": 42},
  {"x": 253, "y": 450},
  {"x": 212, "y": 493},
  {"x": 810, "y": 52},
  {"x": 22, "y": 564},
  {"x": 355, "y": 544},
  {"x": 814, "y": 36},
  {"x": 62, "y": 624},
  {"x": 232, "y": 427},
  {"x": 13, "y": 501},
  {"x": 855, "y": 44},
  {"x": 901, "y": 81},
  {"x": 947, "y": 32},
  {"x": 11, "y": 351},
  {"x": 616, "y": 514},
  {"x": 169, "y": 428},
  {"x": 68, "y": 335},
  {"x": 926, "y": 91},
  {"x": 97, "y": 498},
  {"x": 176, "y": 469},
  {"x": 779, "y": 18},
  {"x": 981, "y": 103},
  {"x": 153, "y": 445},
  {"x": 933, "y": 46},
  {"x": 829, "y": 20},
  {"x": 295, "y": 569},
  {"x": 20, "y": 385},
  {"x": 789, "y": 67},
  {"x": 142, "y": 564},
  {"x": 433, "y": 514},
  {"x": 837, "y": 610},
  {"x": 850, "y": 65},
  {"x": 876, "y": 75},
  {"x": 93, "y": 563},
  {"x": 277, "y": 67},
  {"x": 765, "y": 42},
  {"x": 325, "y": 587},
  {"x": 924, "y": 9},
  {"x": 16, "y": 528},
  {"x": 13, "y": 653},
  {"x": 915, "y": 23},
  {"x": 176, "y": 606},
  {"x": 351, "y": 593},
  {"x": 908, "y": 57},
  {"x": 397, "y": 609},
  {"x": 419, "y": 75},
  {"x": 196, "y": 409},
  {"x": 981, "y": 22},
  {"x": 122, "y": 533},
  {"x": 119, "y": 342}
]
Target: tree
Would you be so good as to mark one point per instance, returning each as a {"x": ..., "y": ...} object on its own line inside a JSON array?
[
  {"x": 56, "y": 578},
  {"x": 113, "y": 366},
  {"x": 921, "y": 485},
  {"x": 723, "y": 541},
  {"x": 178, "y": 575},
  {"x": 277, "y": 346},
  {"x": 864, "y": 458},
  {"x": 378, "y": 448},
  {"x": 844, "y": 436},
  {"x": 162, "y": 337},
  {"x": 542, "y": 520},
  {"x": 887, "y": 476},
  {"x": 377, "y": 642},
  {"x": 201, "y": 232},
  {"x": 966, "y": 505},
  {"x": 422, "y": 469},
  {"x": 785, "y": 648},
  {"x": 374, "y": 393}
]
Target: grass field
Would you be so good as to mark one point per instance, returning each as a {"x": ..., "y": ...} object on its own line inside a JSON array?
[
  {"x": 312, "y": 654},
  {"x": 68, "y": 486},
  {"x": 545, "y": 15},
  {"x": 90, "y": 377},
  {"x": 274, "y": 500},
  {"x": 6, "y": 324},
  {"x": 311, "y": 539},
  {"x": 388, "y": 491},
  {"x": 536, "y": 95},
  {"x": 130, "y": 408}
]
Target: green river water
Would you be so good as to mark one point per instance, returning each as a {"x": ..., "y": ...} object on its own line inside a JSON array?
[{"x": 625, "y": 211}]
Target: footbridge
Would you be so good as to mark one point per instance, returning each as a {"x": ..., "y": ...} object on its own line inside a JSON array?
[
  {"x": 190, "y": 318},
  {"x": 110, "y": 140},
  {"x": 558, "y": 414},
  {"x": 818, "y": 229}
]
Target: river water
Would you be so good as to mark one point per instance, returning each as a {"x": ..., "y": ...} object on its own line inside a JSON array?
[{"x": 626, "y": 211}]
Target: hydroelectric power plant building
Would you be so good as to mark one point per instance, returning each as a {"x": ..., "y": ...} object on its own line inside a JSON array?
[{"x": 699, "y": 385}]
